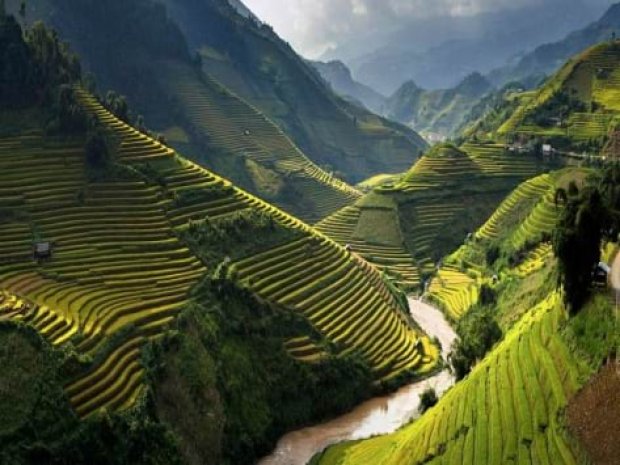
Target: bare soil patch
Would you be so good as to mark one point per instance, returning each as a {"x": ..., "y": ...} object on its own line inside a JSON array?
[{"x": 594, "y": 416}]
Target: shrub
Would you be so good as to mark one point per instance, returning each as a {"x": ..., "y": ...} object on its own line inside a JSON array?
[{"x": 427, "y": 400}]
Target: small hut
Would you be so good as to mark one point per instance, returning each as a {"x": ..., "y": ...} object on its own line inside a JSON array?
[{"x": 42, "y": 250}]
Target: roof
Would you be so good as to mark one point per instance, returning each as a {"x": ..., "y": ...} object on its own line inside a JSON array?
[
  {"x": 40, "y": 247},
  {"x": 605, "y": 267}
]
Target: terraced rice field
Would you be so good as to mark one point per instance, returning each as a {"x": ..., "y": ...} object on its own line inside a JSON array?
[
  {"x": 119, "y": 275},
  {"x": 345, "y": 300},
  {"x": 540, "y": 222},
  {"x": 233, "y": 125},
  {"x": 392, "y": 259},
  {"x": 506, "y": 411},
  {"x": 535, "y": 260},
  {"x": 592, "y": 77},
  {"x": 453, "y": 291},
  {"x": 529, "y": 191},
  {"x": 494, "y": 160}
]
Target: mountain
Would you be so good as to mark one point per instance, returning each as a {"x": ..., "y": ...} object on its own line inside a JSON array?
[
  {"x": 339, "y": 77},
  {"x": 575, "y": 110},
  {"x": 548, "y": 58},
  {"x": 151, "y": 307},
  {"x": 436, "y": 113},
  {"x": 437, "y": 53},
  {"x": 256, "y": 65},
  {"x": 182, "y": 97}
]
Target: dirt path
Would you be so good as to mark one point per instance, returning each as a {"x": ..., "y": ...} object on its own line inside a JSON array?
[{"x": 380, "y": 415}]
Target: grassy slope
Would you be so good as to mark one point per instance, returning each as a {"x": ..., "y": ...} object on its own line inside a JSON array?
[
  {"x": 517, "y": 233},
  {"x": 108, "y": 308},
  {"x": 258, "y": 66}
]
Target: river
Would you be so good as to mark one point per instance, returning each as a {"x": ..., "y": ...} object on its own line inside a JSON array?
[{"x": 380, "y": 415}]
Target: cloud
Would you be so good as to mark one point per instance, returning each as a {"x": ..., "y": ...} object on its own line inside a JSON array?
[{"x": 313, "y": 26}]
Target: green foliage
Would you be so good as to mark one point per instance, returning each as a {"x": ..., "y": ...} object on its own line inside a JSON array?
[
  {"x": 16, "y": 65},
  {"x": 118, "y": 106},
  {"x": 263, "y": 391},
  {"x": 557, "y": 108},
  {"x": 194, "y": 196},
  {"x": 38, "y": 426},
  {"x": 97, "y": 152},
  {"x": 427, "y": 400},
  {"x": 478, "y": 332},
  {"x": 594, "y": 331},
  {"x": 577, "y": 244},
  {"x": 236, "y": 236}
]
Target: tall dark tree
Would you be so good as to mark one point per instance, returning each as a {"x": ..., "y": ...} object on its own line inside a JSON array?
[{"x": 577, "y": 244}]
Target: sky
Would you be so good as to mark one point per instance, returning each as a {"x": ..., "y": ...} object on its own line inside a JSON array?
[{"x": 314, "y": 26}]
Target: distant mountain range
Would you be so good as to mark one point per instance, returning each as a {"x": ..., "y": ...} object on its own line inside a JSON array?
[
  {"x": 436, "y": 113},
  {"x": 437, "y": 53},
  {"x": 548, "y": 58}
]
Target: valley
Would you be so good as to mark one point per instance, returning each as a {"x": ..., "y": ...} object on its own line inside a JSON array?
[{"x": 217, "y": 251}]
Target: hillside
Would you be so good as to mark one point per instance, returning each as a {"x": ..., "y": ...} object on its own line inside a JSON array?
[
  {"x": 406, "y": 226},
  {"x": 96, "y": 294},
  {"x": 195, "y": 113},
  {"x": 437, "y": 113},
  {"x": 548, "y": 58},
  {"x": 133, "y": 280},
  {"x": 258, "y": 66},
  {"x": 339, "y": 77},
  {"x": 511, "y": 407},
  {"x": 574, "y": 110}
]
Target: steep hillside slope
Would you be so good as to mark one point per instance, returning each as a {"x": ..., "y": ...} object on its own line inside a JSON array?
[
  {"x": 130, "y": 222},
  {"x": 406, "y": 226},
  {"x": 548, "y": 58},
  {"x": 133, "y": 242},
  {"x": 511, "y": 407},
  {"x": 576, "y": 109},
  {"x": 436, "y": 114},
  {"x": 506, "y": 411},
  {"x": 196, "y": 114},
  {"x": 258, "y": 66}
]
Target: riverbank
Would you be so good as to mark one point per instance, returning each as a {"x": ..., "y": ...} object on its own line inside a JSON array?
[{"x": 380, "y": 415}]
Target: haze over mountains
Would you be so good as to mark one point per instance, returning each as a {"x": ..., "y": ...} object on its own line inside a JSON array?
[
  {"x": 216, "y": 251},
  {"x": 435, "y": 44}
]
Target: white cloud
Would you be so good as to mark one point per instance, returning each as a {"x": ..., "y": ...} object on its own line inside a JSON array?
[{"x": 312, "y": 26}]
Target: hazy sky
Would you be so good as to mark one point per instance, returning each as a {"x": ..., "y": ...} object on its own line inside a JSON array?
[{"x": 313, "y": 26}]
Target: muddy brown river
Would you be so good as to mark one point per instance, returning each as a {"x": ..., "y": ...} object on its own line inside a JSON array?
[{"x": 380, "y": 415}]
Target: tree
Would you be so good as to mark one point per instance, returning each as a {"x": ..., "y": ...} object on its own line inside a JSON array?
[
  {"x": 97, "y": 153},
  {"x": 577, "y": 245},
  {"x": 427, "y": 400},
  {"x": 478, "y": 332}
]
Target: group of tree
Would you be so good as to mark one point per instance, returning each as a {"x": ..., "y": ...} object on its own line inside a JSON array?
[
  {"x": 589, "y": 216},
  {"x": 478, "y": 332}
]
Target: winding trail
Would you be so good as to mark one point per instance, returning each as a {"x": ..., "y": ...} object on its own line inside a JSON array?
[{"x": 380, "y": 415}]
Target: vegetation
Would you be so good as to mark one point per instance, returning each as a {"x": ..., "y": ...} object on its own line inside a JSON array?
[
  {"x": 588, "y": 217},
  {"x": 506, "y": 410},
  {"x": 230, "y": 358},
  {"x": 129, "y": 246},
  {"x": 478, "y": 332},
  {"x": 428, "y": 399}
]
